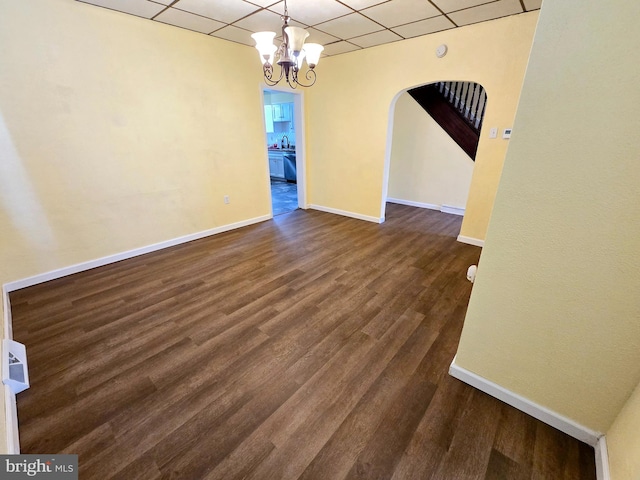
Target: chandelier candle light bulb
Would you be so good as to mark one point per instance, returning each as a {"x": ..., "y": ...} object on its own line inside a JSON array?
[{"x": 291, "y": 54}]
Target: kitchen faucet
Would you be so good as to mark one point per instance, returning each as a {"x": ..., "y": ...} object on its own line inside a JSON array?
[{"x": 282, "y": 141}]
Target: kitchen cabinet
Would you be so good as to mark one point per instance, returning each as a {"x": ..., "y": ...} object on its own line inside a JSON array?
[
  {"x": 276, "y": 164},
  {"x": 282, "y": 112}
]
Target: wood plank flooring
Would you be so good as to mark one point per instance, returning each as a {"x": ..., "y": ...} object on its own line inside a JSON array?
[{"x": 312, "y": 346}]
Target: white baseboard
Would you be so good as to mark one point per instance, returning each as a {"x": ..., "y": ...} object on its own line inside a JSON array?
[
  {"x": 411, "y": 203},
  {"x": 345, "y": 213},
  {"x": 430, "y": 206},
  {"x": 543, "y": 414},
  {"x": 80, "y": 267},
  {"x": 11, "y": 412},
  {"x": 452, "y": 210},
  {"x": 10, "y": 407},
  {"x": 471, "y": 241},
  {"x": 602, "y": 459},
  {"x": 11, "y": 422}
]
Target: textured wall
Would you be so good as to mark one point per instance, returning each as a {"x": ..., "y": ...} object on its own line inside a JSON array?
[
  {"x": 553, "y": 315},
  {"x": 117, "y": 132}
]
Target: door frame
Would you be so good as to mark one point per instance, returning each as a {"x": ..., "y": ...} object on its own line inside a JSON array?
[{"x": 298, "y": 125}]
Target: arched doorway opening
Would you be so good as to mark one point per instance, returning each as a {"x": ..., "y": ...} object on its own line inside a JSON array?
[{"x": 430, "y": 152}]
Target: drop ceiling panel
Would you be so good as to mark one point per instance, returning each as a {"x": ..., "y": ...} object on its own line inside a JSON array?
[
  {"x": 264, "y": 3},
  {"x": 340, "y": 47},
  {"x": 452, "y": 5},
  {"x": 329, "y": 22},
  {"x": 312, "y": 12},
  {"x": 262, "y": 21},
  {"x": 399, "y": 12},
  {"x": 235, "y": 34},
  {"x": 139, "y": 8},
  {"x": 489, "y": 11},
  {"x": 316, "y": 36},
  {"x": 424, "y": 27},
  {"x": 377, "y": 38},
  {"x": 189, "y": 21},
  {"x": 227, "y": 11},
  {"x": 360, "y": 4},
  {"x": 349, "y": 26},
  {"x": 532, "y": 4}
]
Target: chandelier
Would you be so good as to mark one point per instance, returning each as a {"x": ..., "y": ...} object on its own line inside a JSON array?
[{"x": 291, "y": 54}]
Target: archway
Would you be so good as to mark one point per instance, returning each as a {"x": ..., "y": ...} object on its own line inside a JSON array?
[{"x": 429, "y": 158}]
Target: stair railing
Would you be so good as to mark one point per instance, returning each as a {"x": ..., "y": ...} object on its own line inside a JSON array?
[{"x": 469, "y": 98}]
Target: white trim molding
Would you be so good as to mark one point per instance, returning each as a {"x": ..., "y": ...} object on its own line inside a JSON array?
[
  {"x": 430, "y": 206},
  {"x": 11, "y": 420},
  {"x": 525, "y": 405},
  {"x": 411, "y": 203},
  {"x": 346, "y": 213},
  {"x": 452, "y": 210},
  {"x": 80, "y": 267},
  {"x": 602, "y": 459},
  {"x": 471, "y": 241}
]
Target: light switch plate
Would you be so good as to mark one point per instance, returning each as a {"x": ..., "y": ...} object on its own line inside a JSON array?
[{"x": 493, "y": 133}]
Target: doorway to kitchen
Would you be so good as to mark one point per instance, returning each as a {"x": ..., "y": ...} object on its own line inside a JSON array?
[{"x": 280, "y": 116}]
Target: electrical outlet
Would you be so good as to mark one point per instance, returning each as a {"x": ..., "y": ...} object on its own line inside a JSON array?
[
  {"x": 226, "y": 199},
  {"x": 493, "y": 133}
]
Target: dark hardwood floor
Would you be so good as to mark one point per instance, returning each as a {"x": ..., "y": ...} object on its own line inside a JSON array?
[{"x": 312, "y": 346}]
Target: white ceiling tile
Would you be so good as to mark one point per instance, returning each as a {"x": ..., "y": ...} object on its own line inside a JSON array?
[
  {"x": 360, "y": 4},
  {"x": 140, "y": 8},
  {"x": 424, "y": 27},
  {"x": 188, "y": 20},
  {"x": 264, "y": 21},
  {"x": 329, "y": 22},
  {"x": 339, "y": 47},
  {"x": 227, "y": 11},
  {"x": 263, "y": 3},
  {"x": 502, "y": 8},
  {"x": 399, "y": 12},
  {"x": 377, "y": 38},
  {"x": 312, "y": 12},
  {"x": 235, "y": 34},
  {"x": 532, "y": 4},
  {"x": 452, "y": 5},
  {"x": 316, "y": 36},
  {"x": 350, "y": 26}
]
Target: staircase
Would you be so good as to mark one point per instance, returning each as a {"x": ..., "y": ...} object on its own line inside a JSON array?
[{"x": 458, "y": 107}]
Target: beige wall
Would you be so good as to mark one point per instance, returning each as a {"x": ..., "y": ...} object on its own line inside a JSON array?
[
  {"x": 349, "y": 108},
  {"x": 427, "y": 166},
  {"x": 623, "y": 440},
  {"x": 554, "y": 311},
  {"x": 117, "y": 133}
]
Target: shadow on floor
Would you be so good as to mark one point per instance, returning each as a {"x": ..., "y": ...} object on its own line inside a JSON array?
[{"x": 284, "y": 197}]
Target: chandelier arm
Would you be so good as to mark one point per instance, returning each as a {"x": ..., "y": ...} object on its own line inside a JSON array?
[
  {"x": 310, "y": 75},
  {"x": 268, "y": 75}
]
